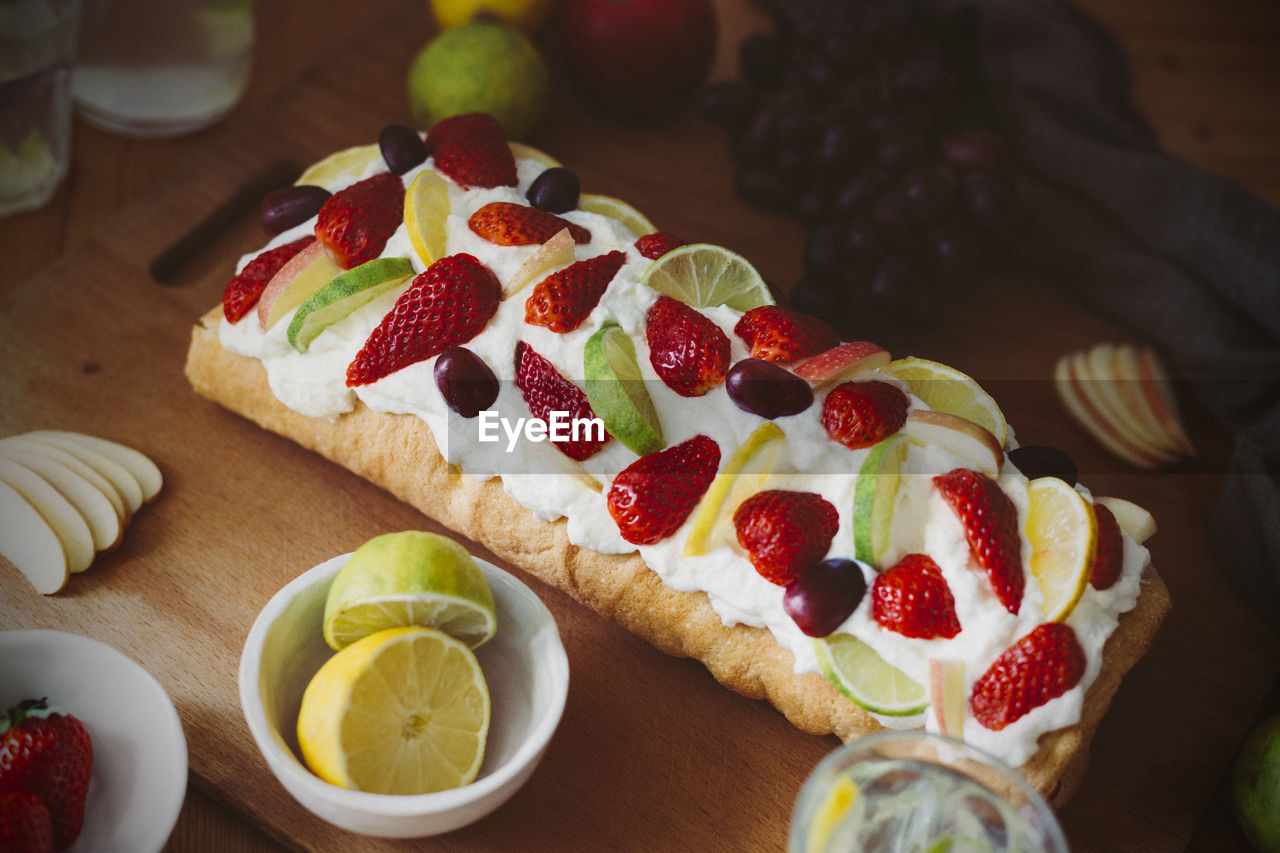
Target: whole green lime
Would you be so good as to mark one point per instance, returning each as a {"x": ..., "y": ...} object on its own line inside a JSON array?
[
  {"x": 480, "y": 67},
  {"x": 1255, "y": 786}
]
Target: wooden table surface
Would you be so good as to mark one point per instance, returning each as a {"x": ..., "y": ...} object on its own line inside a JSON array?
[{"x": 1206, "y": 75}]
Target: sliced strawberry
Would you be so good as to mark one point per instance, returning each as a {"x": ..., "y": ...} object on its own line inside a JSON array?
[
  {"x": 1108, "y": 559},
  {"x": 689, "y": 352},
  {"x": 913, "y": 599},
  {"x": 448, "y": 304},
  {"x": 654, "y": 495},
  {"x": 860, "y": 414},
  {"x": 25, "y": 825},
  {"x": 546, "y": 391},
  {"x": 1041, "y": 666},
  {"x": 780, "y": 334},
  {"x": 49, "y": 753},
  {"x": 242, "y": 292},
  {"x": 657, "y": 244},
  {"x": 990, "y": 522},
  {"x": 509, "y": 224},
  {"x": 785, "y": 532},
  {"x": 472, "y": 150},
  {"x": 355, "y": 223},
  {"x": 562, "y": 300}
]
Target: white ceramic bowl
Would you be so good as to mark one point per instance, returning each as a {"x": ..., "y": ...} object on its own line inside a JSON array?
[
  {"x": 524, "y": 664},
  {"x": 139, "y": 752}
]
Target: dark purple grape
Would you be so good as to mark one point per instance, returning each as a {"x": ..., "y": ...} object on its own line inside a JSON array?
[
  {"x": 957, "y": 249},
  {"x": 860, "y": 191},
  {"x": 766, "y": 188},
  {"x": 289, "y": 206},
  {"x": 976, "y": 148},
  {"x": 984, "y": 196},
  {"x": 901, "y": 152},
  {"x": 1038, "y": 460},
  {"x": 556, "y": 190},
  {"x": 766, "y": 389},
  {"x": 825, "y": 595},
  {"x": 402, "y": 148},
  {"x": 930, "y": 191},
  {"x": 465, "y": 381},
  {"x": 762, "y": 59}
]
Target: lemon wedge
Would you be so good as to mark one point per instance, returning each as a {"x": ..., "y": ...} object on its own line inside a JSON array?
[
  {"x": 1063, "y": 534},
  {"x": 616, "y": 208},
  {"x": 340, "y": 168},
  {"x": 743, "y": 474}
]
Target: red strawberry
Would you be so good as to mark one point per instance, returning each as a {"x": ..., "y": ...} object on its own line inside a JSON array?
[
  {"x": 509, "y": 224},
  {"x": 355, "y": 223},
  {"x": 447, "y": 305},
  {"x": 1108, "y": 560},
  {"x": 991, "y": 527},
  {"x": 25, "y": 825},
  {"x": 689, "y": 352},
  {"x": 49, "y": 754},
  {"x": 546, "y": 391},
  {"x": 1041, "y": 666},
  {"x": 913, "y": 599},
  {"x": 860, "y": 414},
  {"x": 472, "y": 150},
  {"x": 780, "y": 334},
  {"x": 785, "y": 532},
  {"x": 562, "y": 300},
  {"x": 657, "y": 244},
  {"x": 242, "y": 292},
  {"x": 653, "y": 496}
]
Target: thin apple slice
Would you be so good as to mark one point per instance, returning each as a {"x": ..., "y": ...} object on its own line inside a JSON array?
[
  {"x": 947, "y": 696},
  {"x": 958, "y": 436},
  {"x": 125, "y": 483},
  {"x": 1133, "y": 519},
  {"x": 1069, "y": 392},
  {"x": 301, "y": 276},
  {"x": 843, "y": 361},
  {"x": 556, "y": 252},
  {"x": 18, "y": 443},
  {"x": 28, "y": 542},
  {"x": 1090, "y": 390},
  {"x": 135, "y": 462},
  {"x": 1129, "y": 384},
  {"x": 88, "y": 500},
  {"x": 67, "y": 522},
  {"x": 1161, "y": 399},
  {"x": 1107, "y": 392}
]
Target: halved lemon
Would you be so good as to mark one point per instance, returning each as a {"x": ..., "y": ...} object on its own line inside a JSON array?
[
  {"x": 948, "y": 390},
  {"x": 340, "y": 168},
  {"x": 1063, "y": 534},
  {"x": 705, "y": 275},
  {"x": 743, "y": 474},
  {"x": 426, "y": 208},
  {"x": 616, "y": 208},
  {"x": 859, "y": 672}
]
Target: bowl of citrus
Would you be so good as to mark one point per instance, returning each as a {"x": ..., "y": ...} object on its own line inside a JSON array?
[{"x": 406, "y": 689}]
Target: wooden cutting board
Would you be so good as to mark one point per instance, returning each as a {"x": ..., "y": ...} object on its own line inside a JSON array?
[{"x": 651, "y": 753}]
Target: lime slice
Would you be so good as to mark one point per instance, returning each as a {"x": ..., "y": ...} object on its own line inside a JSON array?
[
  {"x": 743, "y": 474},
  {"x": 409, "y": 578},
  {"x": 704, "y": 275},
  {"x": 873, "y": 498},
  {"x": 341, "y": 167},
  {"x": 344, "y": 294},
  {"x": 843, "y": 794},
  {"x": 616, "y": 390},
  {"x": 1063, "y": 534},
  {"x": 426, "y": 207},
  {"x": 402, "y": 711},
  {"x": 948, "y": 390},
  {"x": 616, "y": 208},
  {"x": 862, "y": 675},
  {"x": 521, "y": 151}
]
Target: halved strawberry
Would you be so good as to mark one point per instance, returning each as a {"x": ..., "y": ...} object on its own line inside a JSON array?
[
  {"x": 562, "y": 300},
  {"x": 657, "y": 244},
  {"x": 654, "y": 495},
  {"x": 1041, "y": 666},
  {"x": 913, "y": 599},
  {"x": 860, "y": 414},
  {"x": 448, "y": 304},
  {"x": 242, "y": 292},
  {"x": 355, "y": 223},
  {"x": 689, "y": 352},
  {"x": 990, "y": 522},
  {"x": 50, "y": 754},
  {"x": 1108, "y": 558},
  {"x": 472, "y": 150},
  {"x": 546, "y": 391},
  {"x": 506, "y": 223},
  {"x": 780, "y": 334},
  {"x": 785, "y": 532}
]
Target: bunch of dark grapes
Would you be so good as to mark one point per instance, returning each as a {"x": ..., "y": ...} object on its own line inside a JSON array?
[{"x": 866, "y": 120}]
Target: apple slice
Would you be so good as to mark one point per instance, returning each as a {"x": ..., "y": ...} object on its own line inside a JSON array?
[
  {"x": 1068, "y": 387},
  {"x": 742, "y": 475},
  {"x": 1099, "y": 386},
  {"x": 21, "y": 444},
  {"x": 343, "y": 294},
  {"x": 69, "y": 525},
  {"x": 556, "y": 252},
  {"x": 843, "y": 361},
  {"x": 1133, "y": 519},
  {"x": 28, "y": 542},
  {"x": 125, "y": 483},
  {"x": 874, "y": 496},
  {"x": 301, "y": 276},
  {"x": 1161, "y": 399},
  {"x": 88, "y": 500},
  {"x": 958, "y": 436},
  {"x": 947, "y": 696},
  {"x": 1122, "y": 366},
  {"x": 133, "y": 461}
]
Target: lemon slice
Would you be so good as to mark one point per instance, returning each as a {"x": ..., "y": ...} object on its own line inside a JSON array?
[
  {"x": 616, "y": 208},
  {"x": 948, "y": 390},
  {"x": 343, "y": 294},
  {"x": 402, "y": 711},
  {"x": 426, "y": 207},
  {"x": 616, "y": 390},
  {"x": 340, "y": 168},
  {"x": 1063, "y": 534},
  {"x": 839, "y": 800},
  {"x": 409, "y": 578},
  {"x": 872, "y": 683},
  {"x": 743, "y": 474},
  {"x": 873, "y": 498},
  {"x": 705, "y": 275},
  {"x": 521, "y": 151}
]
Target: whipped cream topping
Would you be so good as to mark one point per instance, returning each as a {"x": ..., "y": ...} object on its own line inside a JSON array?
[{"x": 314, "y": 384}]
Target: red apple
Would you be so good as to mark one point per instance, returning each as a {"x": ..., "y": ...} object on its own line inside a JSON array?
[{"x": 843, "y": 361}]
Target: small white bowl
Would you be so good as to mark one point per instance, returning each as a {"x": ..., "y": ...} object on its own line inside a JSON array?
[
  {"x": 524, "y": 664},
  {"x": 139, "y": 752}
]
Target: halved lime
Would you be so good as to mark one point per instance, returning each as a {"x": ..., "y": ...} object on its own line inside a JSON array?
[
  {"x": 341, "y": 167},
  {"x": 874, "y": 496},
  {"x": 743, "y": 475},
  {"x": 616, "y": 390},
  {"x": 862, "y": 675},
  {"x": 948, "y": 390},
  {"x": 704, "y": 275},
  {"x": 616, "y": 208},
  {"x": 426, "y": 207},
  {"x": 1063, "y": 534},
  {"x": 344, "y": 294}
]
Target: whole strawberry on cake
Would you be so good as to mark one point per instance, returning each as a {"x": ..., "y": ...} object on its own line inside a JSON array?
[{"x": 854, "y": 536}]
